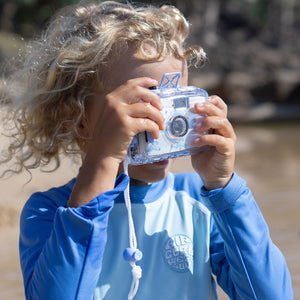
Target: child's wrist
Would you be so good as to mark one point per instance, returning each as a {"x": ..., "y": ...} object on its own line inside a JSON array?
[
  {"x": 220, "y": 183},
  {"x": 95, "y": 177}
]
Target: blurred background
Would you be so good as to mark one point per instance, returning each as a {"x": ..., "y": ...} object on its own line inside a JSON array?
[{"x": 253, "y": 64}]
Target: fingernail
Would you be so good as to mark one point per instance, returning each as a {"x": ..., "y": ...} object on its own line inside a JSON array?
[
  {"x": 199, "y": 124},
  {"x": 197, "y": 140},
  {"x": 199, "y": 105}
]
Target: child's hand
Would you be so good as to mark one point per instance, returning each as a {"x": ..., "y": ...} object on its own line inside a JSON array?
[
  {"x": 120, "y": 115},
  {"x": 112, "y": 121},
  {"x": 215, "y": 165}
]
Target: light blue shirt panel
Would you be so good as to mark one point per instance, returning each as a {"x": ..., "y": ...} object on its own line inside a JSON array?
[{"x": 173, "y": 234}]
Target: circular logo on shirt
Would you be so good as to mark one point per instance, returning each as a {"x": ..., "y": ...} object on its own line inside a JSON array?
[{"x": 178, "y": 253}]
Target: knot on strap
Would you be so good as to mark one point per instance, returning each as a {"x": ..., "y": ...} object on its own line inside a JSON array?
[
  {"x": 136, "y": 272},
  {"x": 136, "y": 275}
]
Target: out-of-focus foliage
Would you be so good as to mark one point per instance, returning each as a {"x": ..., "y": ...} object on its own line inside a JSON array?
[
  {"x": 25, "y": 17},
  {"x": 252, "y": 45}
]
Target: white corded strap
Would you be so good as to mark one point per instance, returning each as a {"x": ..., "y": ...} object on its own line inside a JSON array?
[{"x": 132, "y": 254}]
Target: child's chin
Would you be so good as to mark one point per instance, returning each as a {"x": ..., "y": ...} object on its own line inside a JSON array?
[{"x": 146, "y": 174}]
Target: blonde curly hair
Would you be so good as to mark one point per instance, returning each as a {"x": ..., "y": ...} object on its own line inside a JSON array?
[{"x": 61, "y": 69}]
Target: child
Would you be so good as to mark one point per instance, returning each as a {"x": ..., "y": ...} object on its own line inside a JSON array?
[{"x": 84, "y": 82}]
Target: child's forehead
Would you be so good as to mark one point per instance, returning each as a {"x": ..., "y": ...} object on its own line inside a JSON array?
[{"x": 131, "y": 66}]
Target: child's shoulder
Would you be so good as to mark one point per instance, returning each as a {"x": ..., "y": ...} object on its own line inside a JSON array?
[{"x": 50, "y": 199}]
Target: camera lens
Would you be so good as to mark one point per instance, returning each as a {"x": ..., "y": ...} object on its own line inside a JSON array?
[{"x": 179, "y": 126}]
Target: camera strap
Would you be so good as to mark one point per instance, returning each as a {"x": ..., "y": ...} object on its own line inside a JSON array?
[{"x": 131, "y": 254}]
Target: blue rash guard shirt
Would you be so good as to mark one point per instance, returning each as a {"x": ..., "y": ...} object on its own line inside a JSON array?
[{"x": 76, "y": 253}]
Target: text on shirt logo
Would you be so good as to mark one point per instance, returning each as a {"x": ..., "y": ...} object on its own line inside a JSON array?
[{"x": 178, "y": 253}]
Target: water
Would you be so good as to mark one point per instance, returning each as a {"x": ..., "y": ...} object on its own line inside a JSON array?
[{"x": 268, "y": 157}]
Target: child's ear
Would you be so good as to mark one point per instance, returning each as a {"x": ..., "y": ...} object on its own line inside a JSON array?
[
  {"x": 83, "y": 134},
  {"x": 83, "y": 129}
]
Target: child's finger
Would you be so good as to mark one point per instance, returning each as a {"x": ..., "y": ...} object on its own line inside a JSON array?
[
  {"x": 144, "y": 124},
  {"x": 138, "y": 90},
  {"x": 146, "y": 110},
  {"x": 152, "y": 98},
  {"x": 217, "y": 101},
  {"x": 209, "y": 109},
  {"x": 222, "y": 144},
  {"x": 221, "y": 126},
  {"x": 145, "y": 82}
]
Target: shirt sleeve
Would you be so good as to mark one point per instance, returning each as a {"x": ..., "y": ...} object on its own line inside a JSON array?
[
  {"x": 61, "y": 249},
  {"x": 244, "y": 259}
]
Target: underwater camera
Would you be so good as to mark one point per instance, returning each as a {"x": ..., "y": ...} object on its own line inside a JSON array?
[{"x": 180, "y": 119}]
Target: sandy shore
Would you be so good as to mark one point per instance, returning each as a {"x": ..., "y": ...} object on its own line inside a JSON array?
[{"x": 13, "y": 194}]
